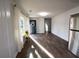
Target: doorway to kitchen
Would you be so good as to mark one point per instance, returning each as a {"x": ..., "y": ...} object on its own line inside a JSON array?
[{"x": 47, "y": 25}]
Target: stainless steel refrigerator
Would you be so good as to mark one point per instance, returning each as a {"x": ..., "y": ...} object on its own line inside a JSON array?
[{"x": 73, "y": 45}]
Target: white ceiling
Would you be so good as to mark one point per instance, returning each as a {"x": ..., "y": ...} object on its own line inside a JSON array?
[{"x": 53, "y": 7}]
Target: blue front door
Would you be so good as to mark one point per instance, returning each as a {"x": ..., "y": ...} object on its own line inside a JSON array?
[{"x": 33, "y": 26}]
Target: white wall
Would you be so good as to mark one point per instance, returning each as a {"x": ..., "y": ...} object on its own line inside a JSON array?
[
  {"x": 39, "y": 24},
  {"x": 17, "y": 17},
  {"x": 7, "y": 41},
  {"x": 60, "y": 23}
]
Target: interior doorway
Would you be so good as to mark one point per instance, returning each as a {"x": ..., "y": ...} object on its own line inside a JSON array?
[{"x": 47, "y": 25}]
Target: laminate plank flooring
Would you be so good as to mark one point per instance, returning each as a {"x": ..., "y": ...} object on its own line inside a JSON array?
[
  {"x": 24, "y": 50},
  {"x": 52, "y": 45}
]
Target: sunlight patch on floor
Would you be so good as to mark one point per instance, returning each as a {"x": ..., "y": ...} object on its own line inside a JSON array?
[{"x": 32, "y": 53}]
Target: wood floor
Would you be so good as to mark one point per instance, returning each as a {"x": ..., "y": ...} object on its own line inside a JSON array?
[
  {"x": 23, "y": 52},
  {"x": 49, "y": 45}
]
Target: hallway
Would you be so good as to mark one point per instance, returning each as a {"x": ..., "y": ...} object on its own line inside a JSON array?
[{"x": 20, "y": 18}]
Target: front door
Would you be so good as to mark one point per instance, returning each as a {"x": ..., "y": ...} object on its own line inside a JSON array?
[{"x": 32, "y": 26}]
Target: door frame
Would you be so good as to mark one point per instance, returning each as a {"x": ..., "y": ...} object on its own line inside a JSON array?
[
  {"x": 35, "y": 25},
  {"x": 44, "y": 24}
]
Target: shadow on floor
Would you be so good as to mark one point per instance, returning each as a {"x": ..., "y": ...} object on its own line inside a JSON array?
[
  {"x": 23, "y": 52},
  {"x": 28, "y": 51}
]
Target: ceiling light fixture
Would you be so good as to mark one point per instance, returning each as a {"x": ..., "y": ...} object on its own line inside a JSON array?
[{"x": 43, "y": 13}]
